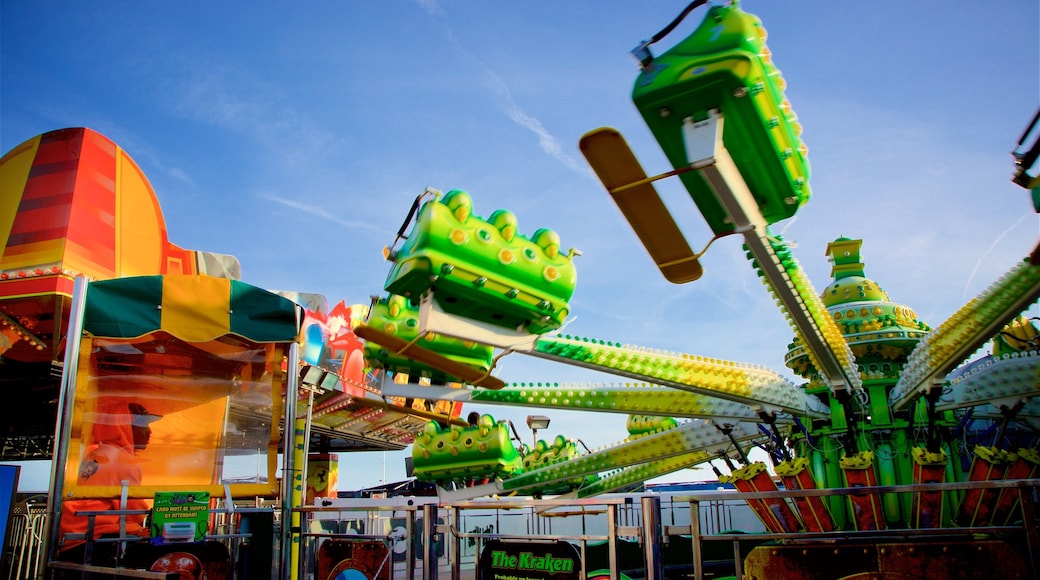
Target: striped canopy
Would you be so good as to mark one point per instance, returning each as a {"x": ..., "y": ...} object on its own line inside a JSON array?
[{"x": 191, "y": 308}]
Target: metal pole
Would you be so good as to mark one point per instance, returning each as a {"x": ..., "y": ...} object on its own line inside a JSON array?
[
  {"x": 695, "y": 538},
  {"x": 429, "y": 528},
  {"x": 612, "y": 540},
  {"x": 651, "y": 506},
  {"x": 63, "y": 427},
  {"x": 288, "y": 460},
  {"x": 302, "y": 521},
  {"x": 456, "y": 544},
  {"x": 738, "y": 560},
  {"x": 410, "y": 546},
  {"x": 1025, "y": 498},
  {"x": 307, "y": 437}
]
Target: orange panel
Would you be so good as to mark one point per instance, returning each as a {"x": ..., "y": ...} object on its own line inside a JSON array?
[
  {"x": 14, "y": 171},
  {"x": 180, "y": 261},
  {"x": 25, "y": 257},
  {"x": 71, "y": 198},
  {"x": 183, "y": 450},
  {"x": 866, "y": 509},
  {"x": 141, "y": 234},
  {"x": 35, "y": 285},
  {"x": 776, "y": 514},
  {"x": 927, "y": 506},
  {"x": 91, "y": 232},
  {"x": 989, "y": 464},
  {"x": 814, "y": 514},
  {"x": 41, "y": 222}
]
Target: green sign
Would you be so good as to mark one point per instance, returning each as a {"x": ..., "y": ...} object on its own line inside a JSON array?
[
  {"x": 180, "y": 516},
  {"x": 529, "y": 560}
]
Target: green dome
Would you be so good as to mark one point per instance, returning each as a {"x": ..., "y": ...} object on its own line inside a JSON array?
[
  {"x": 880, "y": 333},
  {"x": 852, "y": 289},
  {"x": 850, "y": 285}
]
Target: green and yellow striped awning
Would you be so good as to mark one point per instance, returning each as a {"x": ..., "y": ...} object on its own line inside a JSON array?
[{"x": 191, "y": 308}]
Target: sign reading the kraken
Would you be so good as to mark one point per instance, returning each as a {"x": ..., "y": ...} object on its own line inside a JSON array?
[{"x": 529, "y": 560}]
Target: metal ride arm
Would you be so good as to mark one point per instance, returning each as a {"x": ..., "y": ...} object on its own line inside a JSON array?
[
  {"x": 432, "y": 318},
  {"x": 752, "y": 385},
  {"x": 627, "y": 399},
  {"x": 824, "y": 342},
  {"x": 1025, "y": 158},
  {"x": 688, "y": 385},
  {"x": 997, "y": 380},
  {"x": 685, "y": 440},
  {"x": 977, "y": 321},
  {"x": 964, "y": 332},
  {"x": 622, "y": 478}
]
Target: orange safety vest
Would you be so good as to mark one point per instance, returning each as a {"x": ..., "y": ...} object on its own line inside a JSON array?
[{"x": 109, "y": 463}]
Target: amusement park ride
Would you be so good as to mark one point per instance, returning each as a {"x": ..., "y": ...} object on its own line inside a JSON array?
[{"x": 885, "y": 399}]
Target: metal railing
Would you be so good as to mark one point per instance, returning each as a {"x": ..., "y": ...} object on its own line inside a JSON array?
[
  {"x": 24, "y": 552},
  {"x": 227, "y": 530},
  {"x": 427, "y": 539},
  {"x": 1027, "y": 530}
]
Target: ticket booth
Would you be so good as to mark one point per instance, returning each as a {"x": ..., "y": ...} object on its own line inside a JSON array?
[{"x": 175, "y": 389}]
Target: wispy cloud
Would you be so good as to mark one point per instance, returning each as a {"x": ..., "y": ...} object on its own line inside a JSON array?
[
  {"x": 431, "y": 6},
  {"x": 180, "y": 175},
  {"x": 325, "y": 214},
  {"x": 140, "y": 148},
  {"x": 982, "y": 259},
  {"x": 546, "y": 140},
  {"x": 235, "y": 100},
  {"x": 224, "y": 96}
]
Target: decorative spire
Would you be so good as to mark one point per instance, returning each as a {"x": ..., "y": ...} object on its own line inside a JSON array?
[{"x": 844, "y": 257}]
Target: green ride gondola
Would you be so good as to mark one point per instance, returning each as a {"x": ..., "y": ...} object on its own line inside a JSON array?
[{"x": 483, "y": 270}]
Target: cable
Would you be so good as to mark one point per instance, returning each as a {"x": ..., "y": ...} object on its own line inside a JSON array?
[
  {"x": 671, "y": 26},
  {"x": 642, "y": 52}
]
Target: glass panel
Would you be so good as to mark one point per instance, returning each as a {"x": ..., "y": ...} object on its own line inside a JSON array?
[{"x": 163, "y": 414}]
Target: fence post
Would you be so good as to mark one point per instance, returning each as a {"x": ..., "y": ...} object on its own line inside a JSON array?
[{"x": 652, "y": 537}]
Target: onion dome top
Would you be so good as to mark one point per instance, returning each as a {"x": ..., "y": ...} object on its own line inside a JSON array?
[
  {"x": 850, "y": 285},
  {"x": 880, "y": 333}
]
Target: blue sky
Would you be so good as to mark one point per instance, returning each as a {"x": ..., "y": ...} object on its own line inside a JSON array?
[{"x": 295, "y": 135}]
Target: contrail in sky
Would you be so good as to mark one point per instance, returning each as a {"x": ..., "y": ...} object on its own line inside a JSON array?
[
  {"x": 546, "y": 140},
  {"x": 324, "y": 214},
  {"x": 989, "y": 250}
]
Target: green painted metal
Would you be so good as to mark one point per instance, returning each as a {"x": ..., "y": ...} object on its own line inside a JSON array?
[
  {"x": 687, "y": 438},
  {"x": 725, "y": 65},
  {"x": 638, "y": 425},
  {"x": 873, "y": 371},
  {"x": 744, "y": 383},
  {"x": 546, "y": 454},
  {"x": 484, "y": 270},
  {"x": 622, "y": 478},
  {"x": 398, "y": 317},
  {"x": 456, "y": 454},
  {"x": 967, "y": 330},
  {"x": 800, "y": 359},
  {"x": 627, "y": 398}
]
